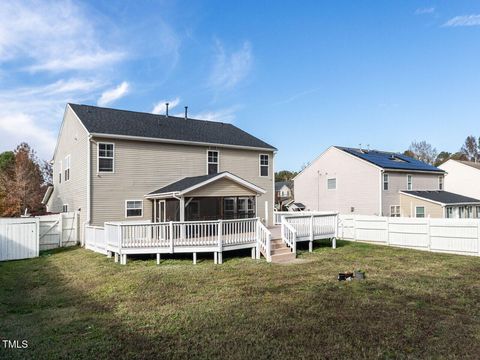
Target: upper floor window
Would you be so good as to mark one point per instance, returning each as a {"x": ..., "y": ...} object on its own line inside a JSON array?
[
  {"x": 105, "y": 157},
  {"x": 67, "y": 168},
  {"x": 65, "y": 208},
  {"x": 440, "y": 183},
  {"x": 385, "y": 181},
  {"x": 409, "y": 182},
  {"x": 133, "y": 208},
  {"x": 60, "y": 172},
  {"x": 331, "y": 184},
  {"x": 264, "y": 164},
  {"x": 212, "y": 162}
]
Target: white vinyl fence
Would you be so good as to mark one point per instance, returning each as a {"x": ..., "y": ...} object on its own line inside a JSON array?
[
  {"x": 18, "y": 238},
  {"x": 58, "y": 230},
  {"x": 458, "y": 236}
]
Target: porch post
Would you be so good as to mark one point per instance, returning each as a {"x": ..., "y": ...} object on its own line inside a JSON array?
[
  {"x": 182, "y": 209},
  {"x": 154, "y": 210}
]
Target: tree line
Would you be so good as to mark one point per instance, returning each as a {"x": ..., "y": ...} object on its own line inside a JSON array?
[
  {"x": 23, "y": 181},
  {"x": 423, "y": 151}
]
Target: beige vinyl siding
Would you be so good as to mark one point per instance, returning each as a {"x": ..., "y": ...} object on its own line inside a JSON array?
[
  {"x": 142, "y": 167},
  {"x": 408, "y": 204},
  {"x": 462, "y": 179},
  {"x": 397, "y": 181},
  {"x": 357, "y": 184},
  {"x": 222, "y": 187},
  {"x": 72, "y": 140}
]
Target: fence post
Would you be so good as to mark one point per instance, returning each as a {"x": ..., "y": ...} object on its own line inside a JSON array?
[
  {"x": 428, "y": 235},
  {"x": 388, "y": 230},
  {"x": 310, "y": 244},
  {"x": 171, "y": 236},
  {"x": 478, "y": 237},
  {"x": 60, "y": 228},
  {"x": 354, "y": 228}
]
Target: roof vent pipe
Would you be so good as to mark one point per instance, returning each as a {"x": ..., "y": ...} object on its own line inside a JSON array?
[
  {"x": 186, "y": 112},
  {"x": 166, "y": 109}
]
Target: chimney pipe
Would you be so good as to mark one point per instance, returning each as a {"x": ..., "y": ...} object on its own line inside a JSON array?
[
  {"x": 186, "y": 112},
  {"x": 166, "y": 106}
]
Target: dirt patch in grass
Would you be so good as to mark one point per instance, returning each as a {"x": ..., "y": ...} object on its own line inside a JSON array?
[{"x": 77, "y": 304}]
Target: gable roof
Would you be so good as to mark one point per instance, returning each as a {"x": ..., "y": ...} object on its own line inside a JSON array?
[
  {"x": 280, "y": 184},
  {"x": 442, "y": 197},
  {"x": 390, "y": 160},
  {"x": 106, "y": 121},
  {"x": 188, "y": 184}
]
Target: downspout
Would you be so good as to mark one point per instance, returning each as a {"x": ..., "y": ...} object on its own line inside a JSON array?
[
  {"x": 89, "y": 183},
  {"x": 380, "y": 213}
]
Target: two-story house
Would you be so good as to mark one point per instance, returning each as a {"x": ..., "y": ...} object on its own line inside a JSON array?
[
  {"x": 361, "y": 181},
  {"x": 116, "y": 165}
]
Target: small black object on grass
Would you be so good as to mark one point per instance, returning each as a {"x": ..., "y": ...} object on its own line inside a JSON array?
[{"x": 345, "y": 276}]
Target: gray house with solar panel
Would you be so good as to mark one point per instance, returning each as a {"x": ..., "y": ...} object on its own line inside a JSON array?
[
  {"x": 116, "y": 165},
  {"x": 365, "y": 182}
]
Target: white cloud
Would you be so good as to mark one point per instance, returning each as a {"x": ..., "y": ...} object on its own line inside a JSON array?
[
  {"x": 161, "y": 108},
  {"x": 226, "y": 115},
  {"x": 422, "y": 11},
  {"x": 231, "y": 68},
  {"x": 465, "y": 20},
  {"x": 51, "y": 36},
  {"x": 114, "y": 94}
]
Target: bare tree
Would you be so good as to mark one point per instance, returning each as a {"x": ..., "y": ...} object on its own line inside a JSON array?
[
  {"x": 470, "y": 148},
  {"x": 423, "y": 151}
]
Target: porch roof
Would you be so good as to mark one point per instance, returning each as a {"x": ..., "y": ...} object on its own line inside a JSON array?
[{"x": 188, "y": 184}]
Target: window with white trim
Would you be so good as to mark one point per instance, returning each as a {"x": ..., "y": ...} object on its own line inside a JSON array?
[
  {"x": 264, "y": 159},
  {"x": 59, "y": 164},
  {"x": 395, "y": 210},
  {"x": 332, "y": 184},
  {"x": 65, "y": 208},
  {"x": 409, "y": 182},
  {"x": 133, "y": 208},
  {"x": 106, "y": 157},
  {"x": 449, "y": 212},
  {"x": 419, "y": 211},
  {"x": 440, "y": 183},
  {"x": 477, "y": 211},
  {"x": 212, "y": 162},
  {"x": 67, "y": 168},
  {"x": 385, "y": 181}
]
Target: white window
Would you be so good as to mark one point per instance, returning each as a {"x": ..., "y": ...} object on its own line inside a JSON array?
[
  {"x": 212, "y": 162},
  {"x": 67, "y": 168},
  {"x": 395, "y": 211},
  {"x": 419, "y": 211},
  {"x": 409, "y": 182},
  {"x": 331, "y": 184},
  {"x": 468, "y": 212},
  {"x": 385, "y": 181},
  {"x": 65, "y": 208},
  {"x": 106, "y": 157},
  {"x": 60, "y": 172},
  {"x": 449, "y": 213},
  {"x": 264, "y": 164},
  {"x": 440, "y": 183},
  {"x": 133, "y": 208},
  {"x": 478, "y": 211}
]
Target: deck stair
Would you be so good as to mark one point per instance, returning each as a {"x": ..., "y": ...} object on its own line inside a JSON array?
[{"x": 281, "y": 253}]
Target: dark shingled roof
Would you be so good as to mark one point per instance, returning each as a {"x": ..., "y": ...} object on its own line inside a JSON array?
[
  {"x": 472, "y": 164},
  {"x": 129, "y": 123},
  {"x": 443, "y": 197},
  {"x": 279, "y": 184},
  {"x": 390, "y": 160},
  {"x": 184, "y": 184}
]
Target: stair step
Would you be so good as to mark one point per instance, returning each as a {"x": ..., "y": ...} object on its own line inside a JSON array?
[
  {"x": 276, "y": 241},
  {"x": 283, "y": 258},
  {"x": 277, "y": 245},
  {"x": 283, "y": 250}
]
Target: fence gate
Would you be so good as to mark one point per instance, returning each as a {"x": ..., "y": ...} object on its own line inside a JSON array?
[{"x": 19, "y": 238}]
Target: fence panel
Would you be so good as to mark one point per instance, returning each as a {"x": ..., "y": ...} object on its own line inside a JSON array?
[
  {"x": 95, "y": 239},
  {"x": 18, "y": 238},
  {"x": 58, "y": 230},
  {"x": 459, "y": 236}
]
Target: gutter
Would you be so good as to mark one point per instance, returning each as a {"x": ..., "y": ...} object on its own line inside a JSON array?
[{"x": 88, "y": 219}]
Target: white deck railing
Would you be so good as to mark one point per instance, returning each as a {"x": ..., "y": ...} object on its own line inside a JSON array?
[
  {"x": 309, "y": 227},
  {"x": 187, "y": 236},
  {"x": 264, "y": 241}
]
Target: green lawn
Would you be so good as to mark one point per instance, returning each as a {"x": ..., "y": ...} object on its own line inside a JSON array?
[{"x": 74, "y": 303}]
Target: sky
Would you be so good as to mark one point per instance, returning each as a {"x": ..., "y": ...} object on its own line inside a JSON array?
[{"x": 301, "y": 76}]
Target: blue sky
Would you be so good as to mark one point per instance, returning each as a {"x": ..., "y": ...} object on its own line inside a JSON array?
[{"x": 300, "y": 75}]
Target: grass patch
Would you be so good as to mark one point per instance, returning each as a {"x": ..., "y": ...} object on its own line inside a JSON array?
[{"x": 73, "y": 303}]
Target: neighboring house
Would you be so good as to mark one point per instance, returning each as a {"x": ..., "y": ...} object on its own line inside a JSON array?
[
  {"x": 283, "y": 193},
  {"x": 462, "y": 177},
  {"x": 116, "y": 165},
  {"x": 438, "y": 204},
  {"x": 361, "y": 181}
]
